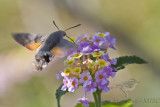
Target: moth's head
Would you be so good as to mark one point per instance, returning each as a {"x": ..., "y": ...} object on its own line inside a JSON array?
[{"x": 63, "y": 33}]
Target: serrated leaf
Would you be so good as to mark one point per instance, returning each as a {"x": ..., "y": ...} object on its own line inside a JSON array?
[
  {"x": 59, "y": 94},
  {"x": 124, "y": 103},
  {"x": 91, "y": 104},
  {"x": 125, "y": 60}
]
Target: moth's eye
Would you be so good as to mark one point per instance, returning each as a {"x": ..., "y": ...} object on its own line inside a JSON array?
[
  {"x": 38, "y": 60},
  {"x": 46, "y": 58}
]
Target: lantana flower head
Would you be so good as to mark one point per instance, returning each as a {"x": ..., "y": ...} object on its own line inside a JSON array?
[{"x": 89, "y": 65}]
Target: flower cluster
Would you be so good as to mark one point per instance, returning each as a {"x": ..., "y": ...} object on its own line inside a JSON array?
[{"x": 89, "y": 66}]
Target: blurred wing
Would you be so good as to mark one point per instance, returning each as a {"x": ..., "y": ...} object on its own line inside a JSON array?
[
  {"x": 30, "y": 41},
  {"x": 63, "y": 48}
]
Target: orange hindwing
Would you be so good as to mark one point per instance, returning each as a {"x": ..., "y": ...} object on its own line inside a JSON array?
[{"x": 33, "y": 46}]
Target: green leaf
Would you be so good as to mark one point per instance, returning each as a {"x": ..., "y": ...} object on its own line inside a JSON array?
[
  {"x": 91, "y": 104},
  {"x": 125, "y": 60},
  {"x": 59, "y": 94},
  {"x": 124, "y": 103}
]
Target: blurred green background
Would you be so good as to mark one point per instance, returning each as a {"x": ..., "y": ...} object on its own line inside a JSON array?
[{"x": 135, "y": 24}]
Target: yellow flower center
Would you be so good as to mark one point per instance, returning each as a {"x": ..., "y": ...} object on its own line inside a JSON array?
[
  {"x": 77, "y": 55},
  {"x": 97, "y": 40},
  {"x": 77, "y": 70},
  {"x": 91, "y": 43},
  {"x": 101, "y": 34},
  {"x": 100, "y": 76},
  {"x": 67, "y": 71},
  {"x": 85, "y": 78},
  {"x": 102, "y": 63},
  {"x": 73, "y": 83},
  {"x": 109, "y": 60},
  {"x": 97, "y": 53},
  {"x": 91, "y": 65},
  {"x": 70, "y": 62}
]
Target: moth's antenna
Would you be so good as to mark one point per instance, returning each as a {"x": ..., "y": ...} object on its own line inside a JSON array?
[
  {"x": 70, "y": 39},
  {"x": 72, "y": 27},
  {"x": 55, "y": 25}
]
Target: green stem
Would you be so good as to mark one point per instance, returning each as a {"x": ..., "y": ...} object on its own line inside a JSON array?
[{"x": 97, "y": 98}]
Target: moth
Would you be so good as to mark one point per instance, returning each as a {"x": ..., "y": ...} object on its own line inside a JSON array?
[{"x": 46, "y": 47}]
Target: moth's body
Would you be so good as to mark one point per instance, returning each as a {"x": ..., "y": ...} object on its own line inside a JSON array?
[
  {"x": 45, "y": 53},
  {"x": 52, "y": 41}
]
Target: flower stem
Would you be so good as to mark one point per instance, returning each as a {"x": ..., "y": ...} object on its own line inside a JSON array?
[{"x": 97, "y": 98}]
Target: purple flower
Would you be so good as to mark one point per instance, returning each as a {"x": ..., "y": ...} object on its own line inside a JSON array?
[
  {"x": 83, "y": 44},
  {"x": 81, "y": 38},
  {"x": 109, "y": 72},
  {"x": 106, "y": 58},
  {"x": 73, "y": 84},
  {"x": 102, "y": 34},
  {"x": 87, "y": 50},
  {"x": 107, "y": 34},
  {"x": 95, "y": 48},
  {"x": 70, "y": 55},
  {"x": 101, "y": 77},
  {"x": 114, "y": 61},
  {"x": 91, "y": 88},
  {"x": 65, "y": 83},
  {"x": 59, "y": 76},
  {"x": 85, "y": 79},
  {"x": 84, "y": 101},
  {"x": 111, "y": 42},
  {"x": 98, "y": 40},
  {"x": 104, "y": 87}
]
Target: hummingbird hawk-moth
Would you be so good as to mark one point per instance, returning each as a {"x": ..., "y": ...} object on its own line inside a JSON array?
[{"x": 46, "y": 46}]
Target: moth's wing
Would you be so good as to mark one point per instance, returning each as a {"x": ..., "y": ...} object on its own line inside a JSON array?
[
  {"x": 63, "y": 48},
  {"x": 30, "y": 41}
]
